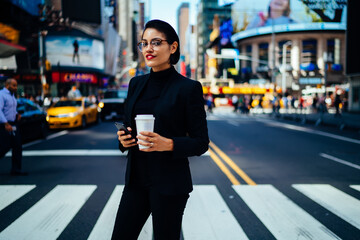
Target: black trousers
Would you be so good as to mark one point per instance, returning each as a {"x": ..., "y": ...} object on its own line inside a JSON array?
[
  {"x": 11, "y": 140},
  {"x": 135, "y": 207}
]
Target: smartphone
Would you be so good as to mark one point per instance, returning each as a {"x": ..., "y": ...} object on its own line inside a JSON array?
[{"x": 122, "y": 127}]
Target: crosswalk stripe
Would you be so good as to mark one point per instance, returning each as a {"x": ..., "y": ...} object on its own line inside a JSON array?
[
  {"x": 336, "y": 201},
  {"x": 208, "y": 217},
  {"x": 356, "y": 187},
  {"x": 282, "y": 217},
  {"x": 105, "y": 224},
  {"x": 11, "y": 193},
  {"x": 49, "y": 217}
]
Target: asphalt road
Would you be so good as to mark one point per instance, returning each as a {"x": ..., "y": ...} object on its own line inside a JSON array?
[{"x": 261, "y": 179}]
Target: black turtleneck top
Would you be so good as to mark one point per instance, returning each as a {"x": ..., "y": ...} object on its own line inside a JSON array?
[{"x": 145, "y": 104}]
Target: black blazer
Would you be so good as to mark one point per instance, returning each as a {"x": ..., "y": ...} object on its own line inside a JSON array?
[{"x": 179, "y": 115}]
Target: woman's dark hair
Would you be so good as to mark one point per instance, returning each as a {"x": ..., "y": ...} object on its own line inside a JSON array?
[{"x": 170, "y": 34}]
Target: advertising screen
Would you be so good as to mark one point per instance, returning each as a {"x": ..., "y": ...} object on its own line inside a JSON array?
[
  {"x": 29, "y": 6},
  {"x": 71, "y": 51},
  {"x": 256, "y": 17}
]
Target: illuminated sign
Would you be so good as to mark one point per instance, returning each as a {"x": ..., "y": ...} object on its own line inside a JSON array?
[
  {"x": 74, "y": 77},
  {"x": 257, "y": 17},
  {"x": 69, "y": 51}
]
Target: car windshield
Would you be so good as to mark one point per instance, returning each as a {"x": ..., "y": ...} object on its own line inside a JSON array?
[
  {"x": 68, "y": 103},
  {"x": 115, "y": 94}
]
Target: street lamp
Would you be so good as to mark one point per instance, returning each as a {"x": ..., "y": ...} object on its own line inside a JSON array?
[{"x": 283, "y": 80}]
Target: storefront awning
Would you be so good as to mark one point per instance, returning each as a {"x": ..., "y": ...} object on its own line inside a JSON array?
[{"x": 8, "y": 49}]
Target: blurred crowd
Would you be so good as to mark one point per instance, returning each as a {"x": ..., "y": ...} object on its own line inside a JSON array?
[{"x": 332, "y": 102}]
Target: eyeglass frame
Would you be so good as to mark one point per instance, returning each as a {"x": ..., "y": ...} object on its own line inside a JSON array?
[{"x": 151, "y": 43}]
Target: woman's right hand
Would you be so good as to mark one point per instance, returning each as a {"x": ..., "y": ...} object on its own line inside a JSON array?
[{"x": 126, "y": 140}]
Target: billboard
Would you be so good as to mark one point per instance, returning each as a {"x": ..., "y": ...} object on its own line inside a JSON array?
[
  {"x": 88, "y": 11},
  {"x": 72, "y": 51},
  {"x": 29, "y": 6},
  {"x": 257, "y": 17}
]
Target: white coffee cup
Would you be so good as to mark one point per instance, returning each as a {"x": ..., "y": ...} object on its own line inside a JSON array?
[{"x": 144, "y": 122}]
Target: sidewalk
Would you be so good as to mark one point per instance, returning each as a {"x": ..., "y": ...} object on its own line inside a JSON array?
[
  {"x": 345, "y": 120},
  {"x": 350, "y": 121}
]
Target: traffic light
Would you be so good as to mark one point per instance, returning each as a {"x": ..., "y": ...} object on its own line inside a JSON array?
[{"x": 47, "y": 65}]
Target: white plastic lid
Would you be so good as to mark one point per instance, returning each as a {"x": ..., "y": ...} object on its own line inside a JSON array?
[{"x": 144, "y": 117}]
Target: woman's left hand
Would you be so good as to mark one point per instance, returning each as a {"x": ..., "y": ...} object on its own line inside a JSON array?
[{"x": 155, "y": 142}]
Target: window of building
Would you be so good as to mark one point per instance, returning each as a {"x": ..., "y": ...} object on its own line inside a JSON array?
[
  {"x": 309, "y": 55},
  {"x": 263, "y": 53},
  {"x": 288, "y": 52},
  {"x": 248, "y": 54},
  {"x": 333, "y": 48}
]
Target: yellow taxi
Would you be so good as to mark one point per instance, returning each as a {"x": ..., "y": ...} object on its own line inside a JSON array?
[{"x": 71, "y": 113}]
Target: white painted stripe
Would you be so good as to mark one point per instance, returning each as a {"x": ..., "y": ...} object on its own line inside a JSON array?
[
  {"x": 49, "y": 217},
  {"x": 282, "y": 217},
  {"x": 11, "y": 193},
  {"x": 234, "y": 123},
  {"x": 147, "y": 230},
  {"x": 308, "y": 130},
  {"x": 72, "y": 152},
  {"x": 207, "y": 217},
  {"x": 59, "y": 134},
  {"x": 324, "y": 155},
  {"x": 356, "y": 187},
  {"x": 336, "y": 201},
  {"x": 76, "y": 152},
  {"x": 105, "y": 224},
  {"x": 55, "y": 135}
]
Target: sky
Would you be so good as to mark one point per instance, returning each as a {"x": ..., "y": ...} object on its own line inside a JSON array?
[{"x": 167, "y": 10}]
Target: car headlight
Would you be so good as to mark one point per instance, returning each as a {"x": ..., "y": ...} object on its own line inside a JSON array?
[
  {"x": 74, "y": 114},
  {"x": 101, "y": 105},
  {"x": 47, "y": 118}
]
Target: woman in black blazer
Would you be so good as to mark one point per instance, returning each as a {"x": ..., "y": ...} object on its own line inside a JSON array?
[{"x": 158, "y": 179}]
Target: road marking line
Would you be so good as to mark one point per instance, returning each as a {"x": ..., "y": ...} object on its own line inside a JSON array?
[
  {"x": 233, "y": 165},
  {"x": 50, "y": 216},
  {"x": 356, "y": 187},
  {"x": 55, "y": 135},
  {"x": 324, "y": 155},
  {"x": 105, "y": 224},
  {"x": 223, "y": 168},
  {"x": 72, "y": 152},
  {"x": 303, "y": 129},
  {"x": 282, "y": 217},
  {"x": 234, "y": 123},
  {"x": 336, "y": 201},
  {"x": 75, "y": 152},
  {"x": 11, "y": 193},
  {"x": 208, "y": 217}
]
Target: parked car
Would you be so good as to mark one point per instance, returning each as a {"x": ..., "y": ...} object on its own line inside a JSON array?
[
  {"x": 112, "y": 105},
  {"x": 71, "y": 113},
  {"x": 33, "y": 123}
]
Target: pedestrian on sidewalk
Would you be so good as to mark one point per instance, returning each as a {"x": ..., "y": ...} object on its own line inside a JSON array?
[
  {"x": 158, "y": 179},
  {"x": 10, "y": 137},
  {"x": 337, "y": 103}
]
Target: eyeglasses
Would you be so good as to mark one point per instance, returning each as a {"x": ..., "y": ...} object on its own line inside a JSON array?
[{"x": 153, "y": 43}]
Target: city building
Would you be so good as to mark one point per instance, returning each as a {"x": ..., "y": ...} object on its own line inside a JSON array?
[
  {"x": 182, "y": 27},
  {"x": 206, "y": 12},
  {"x": 300, "y": 48}
]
